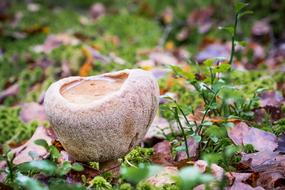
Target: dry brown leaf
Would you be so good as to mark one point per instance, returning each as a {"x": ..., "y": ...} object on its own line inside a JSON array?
[
  {"x": 202, "y": 18},
  {"x": 243, "y": 186},
  {"x": 22, "y": 152},
  {"x": 97, "y": 10},
  {"x": 167, "y": 16},
  {"x": 272, "y": 179},
  {"x": 237, "y": 177},
  {"x": 162, "y": 154},
  {"x": 213, "y": 50},
  {"x": 54, "y": 41},
  {"x": 10, "y": 91},
  {"x": 87, "y": 66},
  {"x": 241, "y": 134},
  {"x": 192, "y": 150},
  {"x": 164, "y": 177},
  {"x": 32, "y": 111},
  {"x": 163, "y": 58},
  {"x": 158, "y": 129}
]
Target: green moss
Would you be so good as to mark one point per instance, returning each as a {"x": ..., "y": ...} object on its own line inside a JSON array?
[
  {"x": 139, "y": 155},
  {"x": 145, "y": 186},
  {"x": 249, "y": 148},
  {"x": 12, "y": 129},
  {"x": 100, "y": 183},
  {"x": 125, "y": 186},
  {"x": 137, "y": 33}
]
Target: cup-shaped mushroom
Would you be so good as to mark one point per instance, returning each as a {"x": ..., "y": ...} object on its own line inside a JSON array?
[{"x": 101, "y": 118}]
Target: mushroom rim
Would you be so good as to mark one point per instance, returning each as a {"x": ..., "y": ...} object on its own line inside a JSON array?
[{"x": 55, "y": 88}]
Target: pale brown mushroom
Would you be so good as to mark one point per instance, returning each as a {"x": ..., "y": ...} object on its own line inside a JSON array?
[{"x": 101, "y": 118}]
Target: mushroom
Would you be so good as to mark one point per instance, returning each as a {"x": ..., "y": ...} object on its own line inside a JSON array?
[{"x": 101, "y": 118}]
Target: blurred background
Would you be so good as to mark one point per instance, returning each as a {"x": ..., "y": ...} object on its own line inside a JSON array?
[{"x": 42, "y": 41}]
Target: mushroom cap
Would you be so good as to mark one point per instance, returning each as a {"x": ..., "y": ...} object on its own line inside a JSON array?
[{"x": 109, "y": 127}]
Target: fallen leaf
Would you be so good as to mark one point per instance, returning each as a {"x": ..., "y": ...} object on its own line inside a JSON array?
[
  {"x": 192, "y": 150},
  {"x": 201, "y": 165},
  {"x": 22, "y": 152},
  {"x": 167, "y": 16},
  {"x": 164, "y": 177},
  {"x": 201, "y": 18},
  {"x": 243, "y": 186},
  {"x": 237, "y": 177},
  {"x": 272, "y": 179},
  {"x": 158, "y": 129},
  {"x": 261, "y": 31},
  {"x": 216, "y": 170},
  {"x": 162, "y": 154},
  {"x": 163, "y": 58},
  {"x": 97, "y": 10},
  {"x": 276, "y": 57},
  {"x": 87, "y": 66},
  {"x": 65, "y": 69},
  {"x": 146, "y": 64},
  {"x": 281, "y": 144},
  {"x": 241, "y": 134},
  {"x": 54, "y": 41},
  {"x": 254, "y": 55},
  {"x": 271, "y": 98},
  {"x": 262, "y": 157},
  {"x": 213, "y": 50},
  {"x": 33, "y": 7},
  {"x": 10, "y": 91},
  {"x": 32, "y": 111}
]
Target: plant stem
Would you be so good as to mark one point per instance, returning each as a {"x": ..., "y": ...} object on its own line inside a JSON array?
[
  {"x": 233, "y": 39},
  {"x": 206, "y": 112},
  {"x": 185, "y": 117},
  {"x": 182, "y": 130}
]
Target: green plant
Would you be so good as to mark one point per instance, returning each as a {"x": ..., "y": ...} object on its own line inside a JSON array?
[
  {"x": 187, "y": 178},
  {"x": 138, "y": 155},
  {"x": 239, "y": 12},
  {"x": 222, "y": 103},
  {"x": 100, "y": 183},
  {"x": 12, "y": 129}
]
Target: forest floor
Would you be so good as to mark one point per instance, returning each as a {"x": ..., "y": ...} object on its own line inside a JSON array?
[{"x": 221, "y": 121}]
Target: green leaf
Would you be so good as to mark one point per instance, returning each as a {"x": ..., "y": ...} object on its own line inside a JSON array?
[
  {"x": 191, "y": 177},
  {"x": 228, "y": 29},
  {"x": 242, "y": 43},
  {"x": 213, "y": 157},
  {"x": 215, "y": 131},
  {"x": 207, "y": 123},
  {"x": 55, "y": 154},
  {"x": 180, "y": 148},
  {"x": 77, "y": 167},
  {"x": 46, "y": 166},
  {"x": 33, "y": 155},
  {"x": 64, "y": 168},
  {"x": 209, "y": 62},
  {"x": 197, "y": 138},
  {"x": 42, "y": 142},
  {"x": 10, "y": 156},
  {"x": 245, "y": 13},
  {"x": 177, "y": 70},
  {"x": 231, "y": 150},
  {"x": 229, "y": 124},
  {"x": 240, "y": 5},
  {"x": 222, "y": 68},
  {"x": 136, "y": 175},
  {"x": 29, "y": 183},
  {"x": 189, "y": 76}
]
